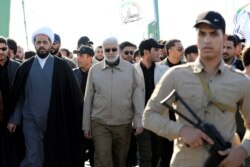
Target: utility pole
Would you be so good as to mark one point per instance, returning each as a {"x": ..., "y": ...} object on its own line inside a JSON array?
[
  {"x": 4, "y": 17},
  {"x": 154, "y": 26},
  {"x": 156, "y": 9}
]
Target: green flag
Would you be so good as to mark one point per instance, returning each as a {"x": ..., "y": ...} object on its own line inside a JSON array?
[{"x": 4, "y": 17}]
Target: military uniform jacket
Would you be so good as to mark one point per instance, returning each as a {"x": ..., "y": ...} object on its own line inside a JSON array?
[{"x": 227, "y": 86}]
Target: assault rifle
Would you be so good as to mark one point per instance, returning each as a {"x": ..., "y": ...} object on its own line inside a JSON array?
[{"x": 210, "y": 130}]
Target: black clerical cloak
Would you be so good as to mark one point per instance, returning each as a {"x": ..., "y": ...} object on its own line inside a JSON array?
[{"x": 63, "y": 133}]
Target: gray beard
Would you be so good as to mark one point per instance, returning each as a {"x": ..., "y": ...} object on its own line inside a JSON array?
[{"x": 111, "y": 60}]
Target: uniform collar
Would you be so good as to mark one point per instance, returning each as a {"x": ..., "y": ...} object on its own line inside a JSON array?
[{"x": 198, "y": 66}]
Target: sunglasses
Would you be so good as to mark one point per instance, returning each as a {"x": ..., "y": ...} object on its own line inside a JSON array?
[
  {"x": 3, "y": 49},
  {"x": 128, "y": 52},
  {"x": 109, "y": 49}
]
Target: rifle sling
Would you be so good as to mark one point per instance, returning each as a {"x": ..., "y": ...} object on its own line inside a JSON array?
[{"x": 221, "y": 106}]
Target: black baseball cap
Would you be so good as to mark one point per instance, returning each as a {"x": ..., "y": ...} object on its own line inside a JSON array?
[
  {"x": 148, "y": 44},
  {"x": 84, "y": 49},
  {"x": 239, "y": 40},
  {"x": 212, "y": 18},
  {"x": 84, "y": 40},
  {"x": 57, "y": 38}
]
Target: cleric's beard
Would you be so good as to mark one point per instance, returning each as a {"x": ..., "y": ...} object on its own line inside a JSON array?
[{"x": 42, "y": 55}]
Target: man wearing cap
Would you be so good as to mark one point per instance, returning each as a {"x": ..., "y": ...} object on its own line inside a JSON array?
[
  {"x": 150, "y": 73},
  {"x": 84, "y": 40},
  {"x": 191, "y": 53},
  {"x": 84, "y": 58},
  {"x": 113, "y": 99},
  {"x": 227, "y": 87},
  {"x": 163, "y": 52},
  {"x": 55, "y": 51},
  {"x": 47, "y": 103},
  {"x": 240, "y": 46}
]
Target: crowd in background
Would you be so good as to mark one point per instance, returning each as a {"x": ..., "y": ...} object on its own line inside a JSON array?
[{"x": 102, "y": 95}]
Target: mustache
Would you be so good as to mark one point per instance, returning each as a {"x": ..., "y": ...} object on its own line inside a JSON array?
[{"x": 41, "y": 48}]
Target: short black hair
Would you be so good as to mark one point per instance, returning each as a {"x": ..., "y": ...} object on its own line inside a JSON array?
[
  {"x": 12, "y": 45},
  {"x": 126, "y": 44},
  {"x": 246, "y": 57},
  {"x": 191, "y": 49},
  {"x": 170, "y": 43},
  {"x": 29, "y": 54},
  {"x": 136, "y": 53},
  {"x": 233, "y": 39},
  {"x": 3, "y": 40}
]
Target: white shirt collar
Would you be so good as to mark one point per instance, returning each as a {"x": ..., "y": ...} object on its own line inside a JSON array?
[{"x": 42, "y": 61}]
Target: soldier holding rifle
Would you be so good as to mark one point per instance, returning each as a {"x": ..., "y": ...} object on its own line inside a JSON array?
[{"x": 213, "y": 91}]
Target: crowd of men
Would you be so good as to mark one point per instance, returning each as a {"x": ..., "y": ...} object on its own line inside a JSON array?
[{"x": 103, "y": 105}]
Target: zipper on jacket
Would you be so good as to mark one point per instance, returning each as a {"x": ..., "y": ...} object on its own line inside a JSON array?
[{"x": 111, "y": 99}]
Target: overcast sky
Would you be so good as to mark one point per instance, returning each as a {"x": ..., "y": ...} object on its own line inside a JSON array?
[{"x": 99, "y": 19}]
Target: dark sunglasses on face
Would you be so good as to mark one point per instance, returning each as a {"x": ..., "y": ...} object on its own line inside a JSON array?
[
  {"x": 3, "y": 49},
  {"x": 109, "y": 49},
  {"x": 128, "y": 52}
]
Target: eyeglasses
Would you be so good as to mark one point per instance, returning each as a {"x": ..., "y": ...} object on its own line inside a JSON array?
[
  {"x": 128, "y": 52},
  {"x": 109, "y": 49},
  {"x": 3, "y": 49}
]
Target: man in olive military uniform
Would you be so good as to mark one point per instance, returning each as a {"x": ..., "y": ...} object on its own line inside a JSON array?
[{"x": 226, "y": 86}]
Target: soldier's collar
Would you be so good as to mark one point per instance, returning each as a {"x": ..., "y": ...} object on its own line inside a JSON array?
[{"x": 198, "y": 66}]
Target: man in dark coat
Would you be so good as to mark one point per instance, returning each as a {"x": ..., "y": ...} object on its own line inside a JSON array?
[
  {"x": 47, "y": 102},
  {"x": 85, "y": 61},
  {"x": 8, "y": 68}
]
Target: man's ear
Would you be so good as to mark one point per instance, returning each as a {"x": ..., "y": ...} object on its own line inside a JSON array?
[{"x": 146, "y": 52}]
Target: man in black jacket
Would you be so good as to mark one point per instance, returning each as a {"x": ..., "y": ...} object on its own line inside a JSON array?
[
  {"x": 84, "y": 59},
  {"x": 8, "y": 68}
]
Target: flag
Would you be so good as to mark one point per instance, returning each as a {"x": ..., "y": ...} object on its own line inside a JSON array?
[
  {"x": 130, "y": 11},
  {"x": 242, "y": 22}
]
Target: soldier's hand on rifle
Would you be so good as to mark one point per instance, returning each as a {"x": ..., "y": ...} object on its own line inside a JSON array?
[
  {"x": 235, "y": 158},
  {"x": 194, "y": 137}
]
